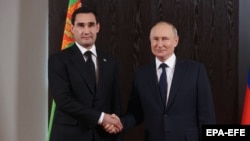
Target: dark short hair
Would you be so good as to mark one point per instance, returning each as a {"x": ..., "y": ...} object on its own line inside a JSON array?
[{"x": 83, "y": 9}]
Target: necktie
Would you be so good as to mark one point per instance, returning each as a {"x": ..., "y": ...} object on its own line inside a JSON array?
[
  {"x": 91, "y": 68},
  {"x": 163, "y": 82}
]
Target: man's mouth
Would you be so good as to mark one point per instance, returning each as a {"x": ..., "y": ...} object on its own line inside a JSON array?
[{"x": 86, "y": 38}]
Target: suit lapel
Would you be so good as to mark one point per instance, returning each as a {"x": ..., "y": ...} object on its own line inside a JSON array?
[
  {"x": 78, "y": 60},
  {"x": 101, "y": 60},
  {"x": 153, "y": 83},
  {"x": 179, "y": 73}
]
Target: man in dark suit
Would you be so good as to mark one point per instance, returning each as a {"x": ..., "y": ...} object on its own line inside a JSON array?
[
  {"x": 84, "y": 102},
  {"x": 177, "y": 110}
]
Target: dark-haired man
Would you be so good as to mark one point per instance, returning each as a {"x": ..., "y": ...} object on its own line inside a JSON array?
[{"x": 85, "y": 98}]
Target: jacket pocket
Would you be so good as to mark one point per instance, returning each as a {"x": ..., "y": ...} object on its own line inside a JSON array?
[{"x": 66, "y": 120}]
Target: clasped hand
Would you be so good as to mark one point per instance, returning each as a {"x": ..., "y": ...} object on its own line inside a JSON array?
[{"x": 112, "y": 124}]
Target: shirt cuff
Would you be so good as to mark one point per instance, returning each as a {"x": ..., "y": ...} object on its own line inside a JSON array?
[{"x": 101, "y": 118}]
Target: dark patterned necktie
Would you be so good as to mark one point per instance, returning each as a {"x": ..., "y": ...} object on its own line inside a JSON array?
[
  {"x": 163, "y": 83},
  {"x": 91, "y": 68}
]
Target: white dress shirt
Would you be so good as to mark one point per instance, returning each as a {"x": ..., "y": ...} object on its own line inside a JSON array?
[{"x": 171, "y": 61}]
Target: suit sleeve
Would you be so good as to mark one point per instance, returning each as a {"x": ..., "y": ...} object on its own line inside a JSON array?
[
  {"x": 134, "y": 113},
  {"x": 206, "y": 112},
  {"x": 116, "y": 101}
]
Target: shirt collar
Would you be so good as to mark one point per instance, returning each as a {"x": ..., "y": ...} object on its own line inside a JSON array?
[
  {"x": 83, "y": 49},
  {"x": 170, "y": 61}
]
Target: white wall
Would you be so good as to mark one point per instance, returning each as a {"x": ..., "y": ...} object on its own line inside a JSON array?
[{"x": 23, "y": 70}]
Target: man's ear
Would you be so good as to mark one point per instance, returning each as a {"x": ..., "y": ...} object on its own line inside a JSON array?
[
  {"x": 98, "y": 27},
  {"x": 71, "y": 29}
]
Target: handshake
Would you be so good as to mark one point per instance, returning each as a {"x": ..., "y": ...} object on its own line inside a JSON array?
[{"x": 112, "y": 124}]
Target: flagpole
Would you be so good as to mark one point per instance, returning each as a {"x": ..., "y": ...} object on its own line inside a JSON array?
[{"x": 51, "y": 119}]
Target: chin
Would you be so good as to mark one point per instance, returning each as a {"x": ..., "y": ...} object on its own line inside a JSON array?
[{"x": 87, "y": 44}]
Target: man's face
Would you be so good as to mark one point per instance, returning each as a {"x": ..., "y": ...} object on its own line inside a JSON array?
[
  {"x": 163, "y": 41},
  {"x": 85, "y": 29}
]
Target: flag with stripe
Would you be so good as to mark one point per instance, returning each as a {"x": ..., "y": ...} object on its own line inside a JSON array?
[
  {"x": 67, "y": 41},
  {"x": 246, "y": 107}
]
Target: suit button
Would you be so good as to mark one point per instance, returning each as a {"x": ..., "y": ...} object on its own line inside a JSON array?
[{"x": 165, "y": 115}]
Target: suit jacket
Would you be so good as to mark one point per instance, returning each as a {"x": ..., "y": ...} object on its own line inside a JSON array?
[
  {"x": 189, "y": 106},
  {"x": 78, "y": 105}
]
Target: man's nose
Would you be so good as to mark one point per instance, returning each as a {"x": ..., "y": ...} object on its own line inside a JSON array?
[
  {"x": 160, "y": 43},
  {"x": 86, "y": 30}
]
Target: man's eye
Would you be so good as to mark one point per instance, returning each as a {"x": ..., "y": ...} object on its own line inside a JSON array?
[
  {"x": 80, "y": 25},
  {"x": 91, "y": 24}
]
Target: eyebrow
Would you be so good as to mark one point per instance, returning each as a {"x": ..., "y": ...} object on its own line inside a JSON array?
[{"x": 86, "y": 23}]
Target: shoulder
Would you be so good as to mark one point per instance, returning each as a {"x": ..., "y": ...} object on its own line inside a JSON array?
[
  {"x": 189, "y": 62},
  {"x": 106, "y": 57},
  {"x": 189, "y": 65},
  {"x": 65, "y": 52},
  {"x": 146, "y": 69}
]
